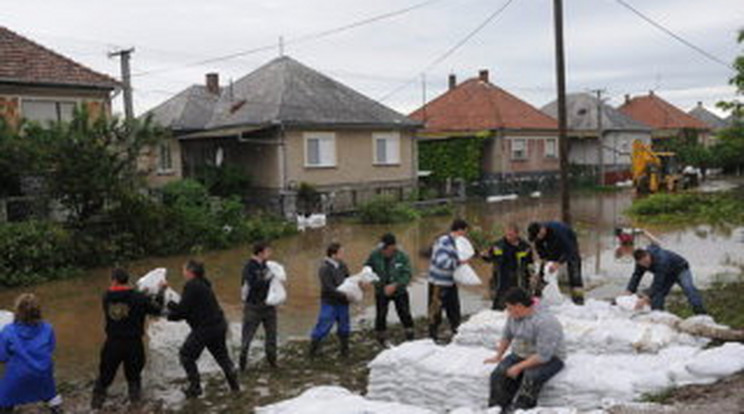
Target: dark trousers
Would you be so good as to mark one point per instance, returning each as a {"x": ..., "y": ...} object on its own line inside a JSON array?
[
  {"x": 402, "y": 308},
  {"x": 117, "y": 351},
  {"x": 253, "y": 317},
  {"x": 502, "y": 281},
  {"x": 526, "y": 387},
  {"x": 330, "y": 315},
  {"x": 447, "y": 299},
  {"x": 684, "y": 279},
  {"x": 213, "y": 339}
]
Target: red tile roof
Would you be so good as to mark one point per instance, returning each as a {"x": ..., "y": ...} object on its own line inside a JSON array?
[
  {"x": 660, "y": 114},
  {"x": 25, "y": 61},
  {"x": 475, "y": 105}
]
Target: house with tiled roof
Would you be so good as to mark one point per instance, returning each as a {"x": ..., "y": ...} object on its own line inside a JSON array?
[
  {"x": 285, "y": 124},
  {"x": 522, "y": 141},
  {"x": 39, "y": 84},
  {"x": 666, "y": 120},
  {"x": 709, "y": 118},
  {"x": 617, "y": 131}
]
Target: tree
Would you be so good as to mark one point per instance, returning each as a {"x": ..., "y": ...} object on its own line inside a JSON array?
[{"x": 729, "y": 150}]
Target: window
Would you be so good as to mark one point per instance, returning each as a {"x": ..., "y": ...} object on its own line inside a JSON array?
[
  {"x": 45, "y": 110},
  {"x": 551, "y": 150},
  {"x": 386, "y": 147},
  {"x": 519, "y": 149},
  {"x": 320, "y": 149},
  {"x": 165, "y": 158}
]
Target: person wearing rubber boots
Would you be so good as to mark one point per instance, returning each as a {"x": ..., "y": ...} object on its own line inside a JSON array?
[
  {"x": 556, "y": 242},
  {"x": 334, "y": 305},
  {"x": 513, "y": 264},
  {"x": 394, "y": 270}
]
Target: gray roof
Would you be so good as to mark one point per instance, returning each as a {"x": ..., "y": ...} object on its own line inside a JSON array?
[
  {"x": 286, "y": 92},
  {"x": 581, "y": 109},
  {"x": 708, "y": 117},
  {"x": 189, "y": 110}
]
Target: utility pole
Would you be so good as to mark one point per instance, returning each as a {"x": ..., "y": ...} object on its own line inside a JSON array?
[
  {"x": 560, "y": 70},
  {"x": 600, "y": 137},
  {"x": 126, "y": 81}
]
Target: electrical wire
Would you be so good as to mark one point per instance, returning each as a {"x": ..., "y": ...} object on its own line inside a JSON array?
[{"x": 450, "y": 51}]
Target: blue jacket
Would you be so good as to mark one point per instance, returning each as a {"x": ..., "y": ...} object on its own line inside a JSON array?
[
  {"x": 665, "y": 264},
  {"x": 559, "y": 244},
  {"x": 444, "y": 261},
  {"x": 27, "y": 351}
]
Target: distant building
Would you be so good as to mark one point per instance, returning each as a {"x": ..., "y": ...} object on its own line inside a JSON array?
[
  {"x": 666, "y": 120},
  {"x": 38, "y": 84},
  {"x": 285, "y": 124},
  {"x": 523, "y": 143},
  {"x": 618, "y": 133},
  {"x": 715, "y": 122}
]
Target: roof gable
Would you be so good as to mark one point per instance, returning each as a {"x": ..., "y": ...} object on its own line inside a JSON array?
[
  {"x": 659, "y": 114},
  {"x": 477, "y": 105},
  {"x": 581, "y": 109},
  {"x": 709, "y": 118},
  {"x": 24, "y": 61}
]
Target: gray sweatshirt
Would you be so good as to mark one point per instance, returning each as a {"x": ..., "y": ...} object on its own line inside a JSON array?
[{"x": 540, "y": 333}]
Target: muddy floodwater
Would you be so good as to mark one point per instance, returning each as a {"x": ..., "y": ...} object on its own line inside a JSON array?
[{"x": 73, "y": 306}]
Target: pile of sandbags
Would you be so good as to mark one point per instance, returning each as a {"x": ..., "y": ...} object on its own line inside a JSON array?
[
  {"x": 6, "y": 318},
  {"x": 337, "y": 400}
]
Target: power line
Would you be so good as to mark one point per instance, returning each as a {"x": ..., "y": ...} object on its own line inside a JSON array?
[
  {"x": 450, "y": 51},
  {"x": 298, "y": 40},
  {"x": 677, "y": 37}
]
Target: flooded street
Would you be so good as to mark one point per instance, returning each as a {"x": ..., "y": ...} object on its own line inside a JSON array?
[{"x": 74, "y": 307}]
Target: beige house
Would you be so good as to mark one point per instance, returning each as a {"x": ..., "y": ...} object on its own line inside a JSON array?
[{"x": 286, "y": 124}]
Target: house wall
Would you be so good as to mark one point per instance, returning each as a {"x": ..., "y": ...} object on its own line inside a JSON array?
[
  {"x": 11, "y": 99},
  {"x": 149, "y": 164},
  {"x": 616, "y": 148},
  {"x": 499, "y": 160}
]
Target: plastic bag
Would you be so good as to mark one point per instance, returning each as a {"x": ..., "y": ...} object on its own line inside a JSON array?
[
  {"x": 350, "y": 287},
  {"x": 628, "y": 303},
  {"x": 466, "y": 276},
  {"x": 277, "y": 270},
  {"x": 277, "y": 294},
  {"x": 465, "y": 249},
  {"x": 551, "y": 294},
  {"x": 151, "y": 281},
  {"x": 368, "y": 275}
]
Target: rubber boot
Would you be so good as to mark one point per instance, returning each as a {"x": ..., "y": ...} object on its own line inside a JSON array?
[
  {"x": 410, "y": 334},
  {"x": 577, "y": 296},
  {"x": 6, "y": 410},
  {"x": 56, "y": 409},
  {"x": 99, "y": 397},
  {"x": 194, "y": 389},
  {"x": 382, "y": 339},
  {"x": 527, "y": 395},
  {"x": 135, "y": 392},
  {"x": 314, "y": 348},
  {"x": 343, "y": 341},
  {"x": 243, "y": 361},
  {"x": 232, "y": 381},
  {"x": 271, "y": 359}
]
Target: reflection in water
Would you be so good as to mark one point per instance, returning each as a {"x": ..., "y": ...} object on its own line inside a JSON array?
[{"x": 74, "y": 308}]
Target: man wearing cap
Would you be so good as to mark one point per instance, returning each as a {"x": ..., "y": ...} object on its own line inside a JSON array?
[{"x": 556, "y": 242}]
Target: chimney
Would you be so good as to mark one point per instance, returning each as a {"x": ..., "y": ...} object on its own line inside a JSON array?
[
  {"x": 651, "y": 93},
  {"x": 452, "y": 81},
  {"x": 700, "y": 104},
  {"x": 483, "y": 75},
  {"x": 627, "y": 98},
  {"x": 213, "y": 83}
]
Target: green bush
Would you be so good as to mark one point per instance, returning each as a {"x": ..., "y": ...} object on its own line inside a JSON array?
[
  {"x": 224, "y": 181},
  {"x": 35, "y": 251},
  {"x": 185, "y": 192},
  {"x": 689, "y": 207},
  {"x": 385, "y": 210}
]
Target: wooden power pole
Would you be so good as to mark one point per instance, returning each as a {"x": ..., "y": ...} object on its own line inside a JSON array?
[
  {"x": 600, "y": 139},
  {"x": 126, "y": 82},
  {"x": 560, "y": 70}
]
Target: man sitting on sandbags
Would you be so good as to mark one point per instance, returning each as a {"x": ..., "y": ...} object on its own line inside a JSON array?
[{"x": 538, "y": 352}]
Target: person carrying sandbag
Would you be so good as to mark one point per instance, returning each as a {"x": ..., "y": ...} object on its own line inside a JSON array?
[
  {"x": 200, "y": 309},
  {"x": 513, "y": 264},
  {"x": 256, "y": 279},
  {"x": 125, "y": 310},
  {"x": 556, "y": 242},
  {"x": 393, "y": 267},
  {"x": 334, "y": 306},
  {"x": 443, "y": 293}
]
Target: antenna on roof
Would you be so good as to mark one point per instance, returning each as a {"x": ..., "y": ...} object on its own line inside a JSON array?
[{"x": 281, "y": 46}]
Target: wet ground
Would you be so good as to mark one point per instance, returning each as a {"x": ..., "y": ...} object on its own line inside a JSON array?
[{"x": 73, "y": 306}]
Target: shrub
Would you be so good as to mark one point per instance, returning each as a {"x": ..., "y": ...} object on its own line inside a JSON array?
[
  {"x": 711, "y": 208},
  {"x": 385, "y": 210}
]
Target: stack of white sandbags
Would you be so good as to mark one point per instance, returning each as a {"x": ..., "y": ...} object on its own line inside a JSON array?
[
  {"x": 6, "y": 318},
  {"x": 337, "y": 400},
  {"x": 165, "y": 340}
]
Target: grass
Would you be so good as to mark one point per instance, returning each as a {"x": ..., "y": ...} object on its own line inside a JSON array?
[
  {"x": 722, "y": 300},
  {"x": 687, "y": 208}
]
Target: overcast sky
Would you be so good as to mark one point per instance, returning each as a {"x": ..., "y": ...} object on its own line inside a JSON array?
[{"x": 606, "y": 45}]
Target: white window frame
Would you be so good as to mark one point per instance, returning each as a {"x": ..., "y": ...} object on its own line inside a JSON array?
[
  {"x": 165, "y": 169},
  {"x": 554, "y": 153},
  {"x": 392, "y": 141},
  {"x": 56, "y": 100},
  {"x": 330, "y": 139},
  {"x": 512, "y": 149}
]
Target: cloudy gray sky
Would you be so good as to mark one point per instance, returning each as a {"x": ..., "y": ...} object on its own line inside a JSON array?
[{"x": 606, "y": 45}]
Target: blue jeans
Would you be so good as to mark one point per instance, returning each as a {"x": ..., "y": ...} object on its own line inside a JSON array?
[
  {"x": 684, "y": 279},
  {"x": 526, "y": 387},
  {"x": 329, "y": 315}
]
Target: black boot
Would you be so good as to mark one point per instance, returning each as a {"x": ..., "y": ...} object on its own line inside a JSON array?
[
  {"x": 243, "y": 361},
  {"x": 194, "y": 389},
  {"x": 527, "y": 395},
  {"x": 6, "y": 410},
  {"x": 56, "y": 409},
  {"x": 409, "y": 334},
  {"x": 343, "y": 341},
  {"x": 271, "y": 359},
  {"x": 382, "y": 339},
  {"x": 135, "y": 392},
  {"x": 99, "y": 397},
  {"x": 577, "y": 296},
  {"x": 232, "y": 381},
  {"x": 314, "y": 348}
]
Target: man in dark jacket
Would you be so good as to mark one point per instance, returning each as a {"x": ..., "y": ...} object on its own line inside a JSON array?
[
  {"x": 668, "y": 268},
  {"x": 394, "y": 269},
  {"x": 125, "y": 310},
  {"x": 334, "y": 306},
  {"x": 256, "y": 280},
  {"x": 200, "y": 309},
  {"x": 512, "y": 264},
  {"x": 556, "y": 242}
]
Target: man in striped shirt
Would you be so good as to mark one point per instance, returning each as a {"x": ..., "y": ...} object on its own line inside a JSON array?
[{"x": 443, "y": 295}]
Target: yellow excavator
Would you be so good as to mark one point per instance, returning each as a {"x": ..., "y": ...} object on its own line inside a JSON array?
[{"x": 654, "y": 171}]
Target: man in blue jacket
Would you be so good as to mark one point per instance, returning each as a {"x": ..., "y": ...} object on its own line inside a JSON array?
[
  {"x": 668, "y": 268},
  {"x": 556, "y": 242},
  {"x": 443, "y": 294}
]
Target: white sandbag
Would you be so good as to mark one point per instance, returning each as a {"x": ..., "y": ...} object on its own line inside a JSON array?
[
  {"x": 368, "y": 275},
  {"x": 717, "y": 363},
  {"x": 337, "y": 400},
  {"x": 277, "y": 270},
  {"x": 466, "y": 276},
  {"x": 150, "y": 283},
  {"x": 551, "y": 294},
  {"x": 628, "y": 302},
  {"x": 171, "y": 296},
  {"x": 277, "y": 293},
  {"x": 6, "y": 318},
  {"x": 350, "y": 287},
  {"x": 464, "y": 248}
]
